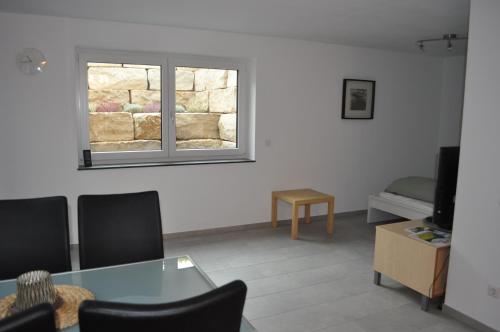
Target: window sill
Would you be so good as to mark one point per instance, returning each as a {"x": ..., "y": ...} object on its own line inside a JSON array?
[{"x": 171, "y": 163}]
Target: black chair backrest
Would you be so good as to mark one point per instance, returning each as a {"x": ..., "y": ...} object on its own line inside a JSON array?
[
  {"x": 119, "y": 229},
  {"x": 39, "y": 318},
  {"x": 219, "y": 310},
  {"x": 34, "y": 235}
]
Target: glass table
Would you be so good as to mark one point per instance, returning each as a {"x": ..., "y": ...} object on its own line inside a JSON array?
[{"x": 157, "y": 281}]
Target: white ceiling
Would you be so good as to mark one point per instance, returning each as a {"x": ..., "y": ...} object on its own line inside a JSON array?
[{"x": 385, "y": 24}]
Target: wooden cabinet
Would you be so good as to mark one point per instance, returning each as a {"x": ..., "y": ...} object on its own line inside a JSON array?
[{"x": 414, "y": 263}]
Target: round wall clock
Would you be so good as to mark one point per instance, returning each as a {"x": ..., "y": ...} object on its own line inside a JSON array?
[{"x": 31, "y": 61}]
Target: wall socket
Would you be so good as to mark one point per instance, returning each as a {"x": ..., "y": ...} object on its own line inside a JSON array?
[{"x": 494, "y": 292}]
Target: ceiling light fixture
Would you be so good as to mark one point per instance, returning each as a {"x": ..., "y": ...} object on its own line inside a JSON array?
[{"x": 449, "y": 37}]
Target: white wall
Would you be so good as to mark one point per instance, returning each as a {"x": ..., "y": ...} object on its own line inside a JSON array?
[
  {"x": 298, "y": 88},
  {"x": 475, "y": 245},
  {"x": 452, "y": 92}
]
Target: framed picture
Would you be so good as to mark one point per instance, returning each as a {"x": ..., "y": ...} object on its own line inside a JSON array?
[{"x": 358, "y": 99}]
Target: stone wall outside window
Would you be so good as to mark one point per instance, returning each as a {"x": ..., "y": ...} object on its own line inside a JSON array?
[{"x": 125, "y": 108}]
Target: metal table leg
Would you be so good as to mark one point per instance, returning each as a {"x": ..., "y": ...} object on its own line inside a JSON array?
[
  {"x": 424, "y": 303},
  {"x": 376, "y": 278}
]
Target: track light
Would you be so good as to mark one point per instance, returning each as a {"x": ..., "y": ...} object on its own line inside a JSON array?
[
  {"x": 421, "y": 46},
  {"x": 448, "y": 38}
]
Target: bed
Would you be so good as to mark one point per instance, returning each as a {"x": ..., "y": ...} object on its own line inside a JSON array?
[{"x": 409, "y": 198}]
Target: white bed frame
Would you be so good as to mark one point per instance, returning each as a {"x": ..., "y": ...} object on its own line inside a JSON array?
[{"x": 381, "y": 208}]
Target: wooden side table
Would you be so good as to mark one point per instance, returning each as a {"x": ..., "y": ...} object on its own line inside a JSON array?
[
  {"x": 300, "y": 197},
  {"x": 414, "y": 263}
]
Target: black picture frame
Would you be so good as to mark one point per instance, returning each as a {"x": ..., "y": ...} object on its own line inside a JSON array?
[{"x": 358, "y": 99}]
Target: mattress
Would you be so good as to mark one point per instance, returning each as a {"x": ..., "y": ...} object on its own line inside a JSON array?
[{"x": 407, "y": 201}]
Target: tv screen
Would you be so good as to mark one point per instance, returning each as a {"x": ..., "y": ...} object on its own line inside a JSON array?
[{"x": 446, "y": 185}]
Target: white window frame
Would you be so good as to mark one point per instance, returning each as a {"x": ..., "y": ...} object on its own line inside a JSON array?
[{"x": 168, "y": 63}]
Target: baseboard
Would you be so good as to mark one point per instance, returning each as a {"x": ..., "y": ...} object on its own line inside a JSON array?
[
  {"x": 467, "y": 320},
  {"x": 258, "y": 225}
]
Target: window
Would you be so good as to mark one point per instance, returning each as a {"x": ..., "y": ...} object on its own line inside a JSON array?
[{"x": 158, "y": 108}]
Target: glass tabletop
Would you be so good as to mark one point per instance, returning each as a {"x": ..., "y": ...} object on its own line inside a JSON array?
[{"x": 157, "y": 281}]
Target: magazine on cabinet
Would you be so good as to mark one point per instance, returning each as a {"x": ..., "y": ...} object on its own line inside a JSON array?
[{"x": 430, "y": 235}]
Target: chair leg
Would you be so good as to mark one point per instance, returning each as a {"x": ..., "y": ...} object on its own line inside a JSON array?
[{"x": 295, "y": 222}]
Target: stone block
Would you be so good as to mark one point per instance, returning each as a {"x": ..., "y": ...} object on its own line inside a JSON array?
[
  {"x": 227, "y": 127},
  {"x": 141, "y": 66},
  {"x": 184, "y": 80},
  {"x": 92, "y": 107},
  {"x": 228, "y": 145},
  {"x": 107, "y": 78},
  {"x": 152, "y": 108},
  {"x": 196, "y": 125},
  {"x": 103, "y": 64},
  {"x": 109, "y": 107},
  {"x": 138, "y": 145},
  {"x": 144, "y": 97},
  {"x": 180, "y": 108},
  {"x": 222, "y": 100},
  {"x": 232, "y": 78},
  {"x": 210, "y": 79},
  {"x": 110, "y": 127},
  {"x": 198, "y": 144},
  {"x": 194, "y": 102},
  {"x": 154, "y": 79},
  {"x": 108, "y": 96},
  {"x": 191, "y": 69},
  {"x": 133, "y": 108},
  {"x": 147, "y": 126}
]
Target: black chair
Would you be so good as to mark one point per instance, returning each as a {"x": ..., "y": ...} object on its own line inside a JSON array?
[
  {"x": 119, "y": 229},
  {"x": 39, "y": 318},
  {"x": 34, "y": 236},
  {"x": 219, "y": 310}
]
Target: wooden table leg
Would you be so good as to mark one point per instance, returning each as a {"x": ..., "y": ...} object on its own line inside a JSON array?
[
  {"x": 295, "y": 222},
  {"x": 329, "y": 224},
  {"x": 307, "y": 213},
  {"x": 274, "y": 212}
]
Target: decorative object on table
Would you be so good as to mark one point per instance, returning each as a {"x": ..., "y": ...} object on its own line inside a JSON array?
[
  {"x": 31, "y": 61},
  {"x": 33, "y": 288},
  {"x": 358, "y": 99},
  {"x": 36, "y": 287}
]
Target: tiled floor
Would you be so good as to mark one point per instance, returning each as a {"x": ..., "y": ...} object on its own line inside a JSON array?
[{"x": 313, "y": 284}]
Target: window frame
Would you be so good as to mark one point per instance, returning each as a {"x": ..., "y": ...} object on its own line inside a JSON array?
[
  {"x": 168, "y": 63},
  {"x": 241, "y": 114}
]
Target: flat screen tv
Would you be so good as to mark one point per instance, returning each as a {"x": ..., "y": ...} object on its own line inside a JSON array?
[{"x": 446, "y": 185}]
